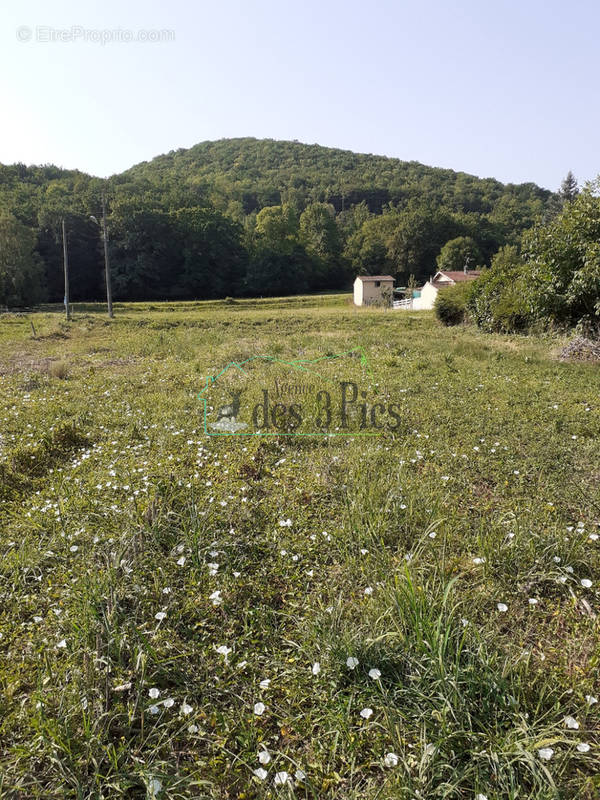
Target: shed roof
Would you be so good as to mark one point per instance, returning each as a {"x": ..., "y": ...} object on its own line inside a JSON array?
[{"x": 375, "y": 277}]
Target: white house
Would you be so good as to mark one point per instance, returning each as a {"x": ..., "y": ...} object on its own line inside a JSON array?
[
  {"x": 370, "y": 290},
  {"x": 441, "y": 280}
]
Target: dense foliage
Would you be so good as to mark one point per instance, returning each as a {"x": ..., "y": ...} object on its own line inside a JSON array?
[
  {"x": 258, "y": 217},
  {"x": 458, "y": 253},
  {"x": 563, "y": 260},
  {"x": 20, "y": 268},
  {"x": 556, "y": 278},
  {"x": 451, "y": 304},
  {"x": 498, "y": 298}
]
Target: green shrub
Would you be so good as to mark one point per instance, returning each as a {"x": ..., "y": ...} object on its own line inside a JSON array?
[
  {"x": 564, "y": 261},
  {"x": 451, "y": 304},
  {"x": 498, "y": 300}
]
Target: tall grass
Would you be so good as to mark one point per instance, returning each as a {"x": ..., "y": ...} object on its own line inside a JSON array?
[{"x": 158, "y": 585}]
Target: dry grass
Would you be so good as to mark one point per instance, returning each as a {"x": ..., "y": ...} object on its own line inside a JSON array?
[{"x": 58, "y": 369}]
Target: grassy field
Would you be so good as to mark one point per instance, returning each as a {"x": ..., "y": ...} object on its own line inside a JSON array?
[{"x": 411, "y": 615}]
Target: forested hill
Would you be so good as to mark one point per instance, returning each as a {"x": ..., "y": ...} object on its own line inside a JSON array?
[
  {"x": 265, "y": 172},
  {"x": 251, "y": 217}
]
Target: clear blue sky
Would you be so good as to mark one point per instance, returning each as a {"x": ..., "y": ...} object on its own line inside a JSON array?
[{"x": 505, "y": 89}]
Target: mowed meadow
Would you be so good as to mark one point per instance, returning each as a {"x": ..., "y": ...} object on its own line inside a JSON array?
[{"x": 411, "y": 615}]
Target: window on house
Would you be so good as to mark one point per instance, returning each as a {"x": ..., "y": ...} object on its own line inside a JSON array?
[{"x": 377, "y": 283}]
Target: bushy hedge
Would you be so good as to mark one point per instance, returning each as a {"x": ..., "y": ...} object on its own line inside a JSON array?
[
  {"x": 498, "y": 299},
  {"x": 554, "y": 282},
  {"x": 564, "y": 261},
  {"x": 451, "y": 304}
]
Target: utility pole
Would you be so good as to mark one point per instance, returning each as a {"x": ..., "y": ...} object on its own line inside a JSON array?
[
  {"x": 66, "y": 269},
  {"x": 106, "y": 261}
]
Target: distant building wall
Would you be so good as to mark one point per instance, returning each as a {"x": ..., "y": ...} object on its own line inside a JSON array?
[
  {"x": 427, "y": 299},
  {"x": 358, "y": 292},
  {"x": 367, "y": 293}
]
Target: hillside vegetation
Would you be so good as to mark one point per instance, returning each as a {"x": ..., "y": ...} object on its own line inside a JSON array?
[
  {"x": 551, "y": 280},
  {"x": 248, "y": 217},
  {"x": 265, "y": 172}
]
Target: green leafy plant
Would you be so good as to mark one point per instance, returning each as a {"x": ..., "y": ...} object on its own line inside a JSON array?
[{"x": 451, "y": 304}]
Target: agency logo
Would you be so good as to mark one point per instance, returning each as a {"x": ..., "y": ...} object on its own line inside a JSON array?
[{"x": 330, "y": 395}]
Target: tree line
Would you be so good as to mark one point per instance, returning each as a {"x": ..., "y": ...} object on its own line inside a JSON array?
[
  {"x": 550, "y": 278},
  {"x": 252, "y": 217}
]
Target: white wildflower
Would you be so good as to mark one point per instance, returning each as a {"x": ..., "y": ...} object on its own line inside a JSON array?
[
  {"x": 545, "y": 753},
  {"x": 216, "y": 598}
]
